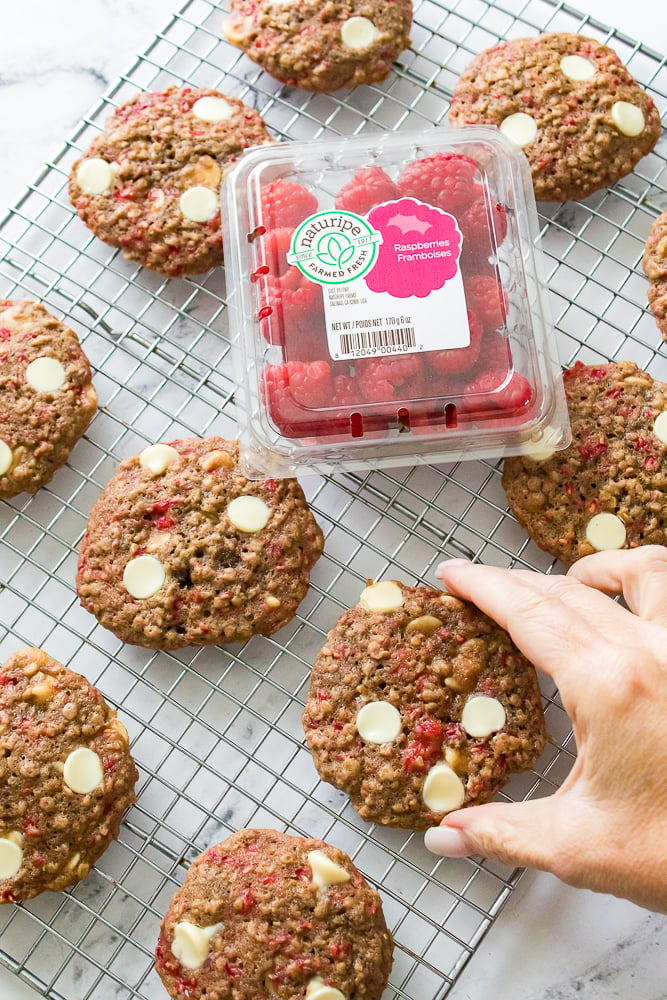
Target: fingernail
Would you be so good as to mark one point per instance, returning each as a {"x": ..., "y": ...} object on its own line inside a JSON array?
[
  {"x": 447, "y": 841},
  {"x": 450, "y": 562}
]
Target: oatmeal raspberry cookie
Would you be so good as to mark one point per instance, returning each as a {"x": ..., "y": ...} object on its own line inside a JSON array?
[
  {"x": 607, "y": 490},
  {"x": 150, "y": 182},
  {"x": 420, "y": 704},
  {"x": 47, "y": 397},
  {"x": 568, "y": 102},
  {"x": 181, "y": 549},
  {"x": 655, "y": 267},
  {"x": 66, "y": 775},
  {"x": 264, "y": 914},
  {"x": 321, "y": 46}
]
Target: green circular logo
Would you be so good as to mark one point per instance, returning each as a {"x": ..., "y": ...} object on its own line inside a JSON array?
[{"x": 333, "y": 247}]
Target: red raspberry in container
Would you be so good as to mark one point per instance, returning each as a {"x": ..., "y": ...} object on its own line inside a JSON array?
[
  {"x": 445, "y": 180},
  {"x": 369, "y": 187},
  {"x": 492, "y": 391},
  {"x": 457, "y": 359},
  {"x": 484, "y": 228},
  {"x": 284, "y": 203},
  {"x": 383, "y": 379},
  {"x": 485, "y": 295},
  {"x": 294, "y": 392}
]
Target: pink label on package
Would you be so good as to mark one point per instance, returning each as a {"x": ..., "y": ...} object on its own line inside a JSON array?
[
  {"x": 420, "y": 248},
  {"x": 411, "y": 299}
]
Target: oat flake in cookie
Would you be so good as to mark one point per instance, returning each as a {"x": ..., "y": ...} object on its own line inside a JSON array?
[
  {"x": 317, "y": 45},
  {"x": 47, "y": 399},
  {"x": 266, "y": 915},
  {"x": 181, "y": 549},
  {"x": 66, "y": 775},
  {"x": 568, "y": 102},
  {"x": 655, "y": 266},
  {"x": 150, "y": 182},
  {"x": 607, "y": 490},
  {"x": 420, "y": 704}
]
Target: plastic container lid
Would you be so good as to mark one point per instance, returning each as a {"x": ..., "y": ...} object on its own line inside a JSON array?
[{"x": 386, "y": 303}]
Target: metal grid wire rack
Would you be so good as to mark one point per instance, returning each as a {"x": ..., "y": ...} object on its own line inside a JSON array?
[{"x": 216, "y": 731}]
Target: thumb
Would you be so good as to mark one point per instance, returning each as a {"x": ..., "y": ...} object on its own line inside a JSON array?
[{"x": 524, "y": 834}]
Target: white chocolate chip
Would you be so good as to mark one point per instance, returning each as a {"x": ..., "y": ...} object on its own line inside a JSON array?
[
  {"x": 519, "y": 128},
  {"x": 45, "y": 375},
  {"x": 545, "y": 447},
  {"x": 157, "y": 458},
  {"x": 443, "y": 789},
  {"x": 192, "y": 944},
  {"x": 318, "y": 990},
  {"x": 83, "y": 771},
  {"x": 379, "y": 722},
  {"x": 660, "y": 426},
  {"x": 249, "y": 514},
  {"x": 383, "y": 596},
  {"x": 628, "y": 118},
  {"x": 577, "y": 68},
  {"x": 11, "y": 858},
  {"x": 95, "y": 176},
  {"x": 212, "y": 109},
  {"x": 199, "y": 204},
  {"x": 606, "y": 531},
  {"x": 144, "y": 576},
  {"x": 6, "y": 458},
  {"x": 325, "y": 871},
  {"x": 358, "y": 33},
  {"x": 482, "y": 716}
]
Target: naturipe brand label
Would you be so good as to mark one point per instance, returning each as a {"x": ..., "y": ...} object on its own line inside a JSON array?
[
  {"x": 333, "y": 248},
  {"x": 391, "y": 283}
]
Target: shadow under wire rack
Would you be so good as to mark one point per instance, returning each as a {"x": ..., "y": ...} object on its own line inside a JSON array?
[{"x": 216, "y": 731}]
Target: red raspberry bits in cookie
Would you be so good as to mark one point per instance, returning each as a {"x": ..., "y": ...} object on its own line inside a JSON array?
[
  {"x": 607, "y": 489},
  {"x": 543, "y": 93},
  {"x": 420, "y": 704},
  {"x": 266, "y": 914},
  {"x": 323, "y": 48}
]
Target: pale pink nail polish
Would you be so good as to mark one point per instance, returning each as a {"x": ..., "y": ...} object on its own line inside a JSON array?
[{"x": 447, "y": 841}]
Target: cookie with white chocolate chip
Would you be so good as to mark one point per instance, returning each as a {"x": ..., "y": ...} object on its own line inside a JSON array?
[
  {"x": 265, "y": 914},
  {"x": 420, "y": 704},
  {"x": 568, "y": 102},
  {"x": 150, "y": 182},
  {"x": 66, "y": 775},
  {"x": 655, "y": 268},
  {"x": 607, "y": 490},
  {"x": 181, "y": 549},
  {"x": 321, "y": 46},
  {"x": 48, "y": 398}
]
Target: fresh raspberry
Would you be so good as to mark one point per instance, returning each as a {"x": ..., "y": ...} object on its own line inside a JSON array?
[
  {"x": 458, "y": 359},
  {"x": 291, "y": 314},
  {"x": 293, "y": 389},
  {"x": 484, "y": 224},
  {"x": 284, "y": 203},
  {"x": 381, "y": 380},
  {"x": 445, "y": 180},
  {"x": 273, "y": 249},
  {"x": 492, "y": 390},
  {"x": 344, "y": 391},
  {"x": 486, "y": 295},
  {"x": 495, "y": 353},
  {"x": 369, "y": 187}
]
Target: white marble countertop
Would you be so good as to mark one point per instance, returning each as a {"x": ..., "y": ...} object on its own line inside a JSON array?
[{"x": 550, "y": 942}]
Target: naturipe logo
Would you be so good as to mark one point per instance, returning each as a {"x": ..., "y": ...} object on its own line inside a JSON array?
[{"x": 333, "y": 247}]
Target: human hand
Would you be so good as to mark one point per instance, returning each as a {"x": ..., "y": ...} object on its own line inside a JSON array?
[{"x": 606, "y": 827}]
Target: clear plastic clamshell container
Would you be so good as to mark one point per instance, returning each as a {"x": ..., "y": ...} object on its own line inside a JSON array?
[{"x": 386, "y": 304}]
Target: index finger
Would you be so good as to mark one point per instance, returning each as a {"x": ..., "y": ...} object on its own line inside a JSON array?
[{"x": 531, "y": 607}]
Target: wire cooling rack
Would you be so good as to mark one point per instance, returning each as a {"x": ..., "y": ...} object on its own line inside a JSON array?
[{"x": 216, "y": 731}]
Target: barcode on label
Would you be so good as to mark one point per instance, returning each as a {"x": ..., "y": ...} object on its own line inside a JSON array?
[{"x": 378, "y": 341}]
